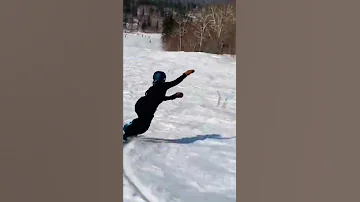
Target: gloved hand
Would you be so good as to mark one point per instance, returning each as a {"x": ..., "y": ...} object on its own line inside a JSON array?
[
  {"x": 179, "y": 95},
  {"x": 188, "y": 72}
]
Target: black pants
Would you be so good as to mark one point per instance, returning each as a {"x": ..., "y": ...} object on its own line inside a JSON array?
[{"x": 142, "y": 123}]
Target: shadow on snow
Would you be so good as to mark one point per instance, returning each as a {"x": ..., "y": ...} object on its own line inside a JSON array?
[{"x": 187, "y": 140}]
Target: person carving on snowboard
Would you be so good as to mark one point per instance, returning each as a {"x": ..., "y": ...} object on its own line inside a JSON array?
[{"x": 147, "y": 105}]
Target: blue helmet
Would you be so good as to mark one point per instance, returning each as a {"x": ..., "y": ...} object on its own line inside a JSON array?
[{"x": 159, "y": 77}]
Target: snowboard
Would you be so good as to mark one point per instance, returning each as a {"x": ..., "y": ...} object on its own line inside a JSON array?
[{"x": 129, "y": 139}]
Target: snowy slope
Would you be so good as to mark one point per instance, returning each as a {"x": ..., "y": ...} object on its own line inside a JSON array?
[{"x": 188, "y": 154}]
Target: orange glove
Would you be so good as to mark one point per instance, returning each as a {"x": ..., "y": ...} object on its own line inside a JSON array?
[{"x": 188, "y": 72}]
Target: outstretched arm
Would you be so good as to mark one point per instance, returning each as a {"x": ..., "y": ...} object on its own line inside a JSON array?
[
  {"x": 174, "y": 96},
  {"x": 179, "y": 79}
]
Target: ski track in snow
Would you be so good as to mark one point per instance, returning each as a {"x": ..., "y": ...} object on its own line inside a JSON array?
[{"x": 189, "y": 151}]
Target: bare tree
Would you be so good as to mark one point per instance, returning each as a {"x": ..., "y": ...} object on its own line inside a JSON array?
[
  {"x": 180, "y": 30},
  {"x": 192, "y": 46},
  {"x": 219, "y": 17},
  {"x": 210, "y": 29},
  {"x": 201, "y": 25}
]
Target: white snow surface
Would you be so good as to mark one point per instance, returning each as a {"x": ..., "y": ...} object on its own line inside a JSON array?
[{"x": 189, "y": 152}]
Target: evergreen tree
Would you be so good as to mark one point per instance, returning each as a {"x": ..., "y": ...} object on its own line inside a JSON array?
[
  {"x": 143, "y": 26},
  {"x": 126, "y": 6},
  {"x": 168, "y": 26},
  {"x": 193, "y": 5},
  {"x": 161, "y": 7},
  {"x": 149, "y": 21},
  {"x": 134, "y": 9}
]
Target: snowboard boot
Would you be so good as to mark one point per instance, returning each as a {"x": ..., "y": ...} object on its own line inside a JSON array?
[{"x": 124, "y": 129}]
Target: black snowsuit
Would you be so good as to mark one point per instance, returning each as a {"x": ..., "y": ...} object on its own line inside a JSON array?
[{"x": 146, "y": 106}]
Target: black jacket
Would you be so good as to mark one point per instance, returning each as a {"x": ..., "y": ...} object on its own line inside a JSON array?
[{"x": 155, "y": 95}]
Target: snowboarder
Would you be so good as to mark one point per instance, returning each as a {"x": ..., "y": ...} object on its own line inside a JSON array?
[{"x": 146, "y": 106}]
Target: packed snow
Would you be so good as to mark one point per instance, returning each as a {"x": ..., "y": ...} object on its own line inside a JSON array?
[{"x": 189, "y": 152}]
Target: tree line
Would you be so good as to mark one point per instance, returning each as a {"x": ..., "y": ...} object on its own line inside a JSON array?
[
  {"x": 130, "y": 6},
  {"x": 210, "y": 29},
  {"x": 192, "y": 27}
]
